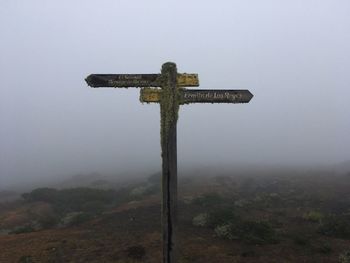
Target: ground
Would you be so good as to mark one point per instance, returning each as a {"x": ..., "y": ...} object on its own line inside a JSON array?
[{"x": 296, "y": 207}]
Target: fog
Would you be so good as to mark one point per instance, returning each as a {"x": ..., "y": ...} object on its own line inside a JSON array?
[{"x": 294, "y": 56}]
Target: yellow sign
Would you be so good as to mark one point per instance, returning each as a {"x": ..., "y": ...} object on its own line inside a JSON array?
[
  {"x": 183, "y": 80},
  {"x": 187, "y": 80},
  {"x": 150, "y": 95}
]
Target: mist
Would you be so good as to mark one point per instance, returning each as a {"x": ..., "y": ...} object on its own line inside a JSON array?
[{"x": 293, "y": 56}]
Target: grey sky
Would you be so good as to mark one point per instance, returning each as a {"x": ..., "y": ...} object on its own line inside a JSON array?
[{"x": 294, "y": 56}]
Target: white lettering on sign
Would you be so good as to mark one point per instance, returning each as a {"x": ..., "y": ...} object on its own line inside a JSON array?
[
  {"x": 130, "y": 77},
  {"x": 128, "y": 82},
  {"x": 213, "y": 95}
]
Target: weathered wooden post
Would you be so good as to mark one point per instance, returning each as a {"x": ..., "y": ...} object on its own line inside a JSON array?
[{"x": 169, "y": 106}]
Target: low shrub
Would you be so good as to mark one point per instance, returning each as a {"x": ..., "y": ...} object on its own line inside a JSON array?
[
  {"x": 313, "y": 216},
  {"x": 73, "y": 199},
  {"x": 93, "y": 207},
  {"x": 335, "y": 226},
  {"x": 256, "y": 232},
  {"x": 344, "y": 257},
  {"x": 143, "y": 190},
  {"x": 222, "y": 216},
  {"x": 201, "y": 220},
  {"x": 47, "y": 221},
  {"x": 75, "y": 218},
  {"x": 225, "y": 231},
  {"x": 217, "y": 217},
  {"x": 325, "y": 248},
  {"x": 22, "y": 229},
  {"x": 44, "y": 194},
  {"x": 252, "y": 232},
  {"x": 208, "y": 200},
  {"x": 80, "y": 218}
]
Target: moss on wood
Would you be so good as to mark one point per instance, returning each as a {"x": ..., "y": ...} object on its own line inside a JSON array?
[{"x": 169, "y": 100}]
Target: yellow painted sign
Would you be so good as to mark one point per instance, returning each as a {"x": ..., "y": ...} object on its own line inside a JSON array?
[
  {"x": 154, "y": 94},
  {"x": 150, "y": 95},
  {"x": 187, "y": 80}
]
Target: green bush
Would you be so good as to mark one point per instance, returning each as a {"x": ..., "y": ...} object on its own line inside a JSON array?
[
  {"x": 201, "y": 220},
  {"x": 22, "y": 229},
  {"x": 325, "y": 248},
  {"x": 93, "y": 207},
  {"x": 336, "y": 226},
  {"x": 313, "y": 216},
  {"x": 256, "y": 232},
  {"x": 79, "y": 218},
  {"x": 48, "y": 220},
  {"x": 48, "y": 195},
  {"x": 252, "y": 232},
  {"x": 208, "y": 200},
  {"x": 225, "y": 231},
  {"x": 344, "y": 257},
  {"x": 74, "y": 199},
  {"x": 217, "y": 217},
  {"x": 143, "y": 190},
  {"x": 222, "y": 216}
]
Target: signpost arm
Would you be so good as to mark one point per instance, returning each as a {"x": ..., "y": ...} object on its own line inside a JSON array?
[{"x": 169, "y": 110}]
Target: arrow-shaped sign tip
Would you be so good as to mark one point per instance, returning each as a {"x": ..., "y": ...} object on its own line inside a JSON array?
[
  {"x": 89, "y": 79},
  {"x": 250, "y": 95}
]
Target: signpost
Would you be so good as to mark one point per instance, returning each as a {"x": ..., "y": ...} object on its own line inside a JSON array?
[{"x": 170, "y": 94}]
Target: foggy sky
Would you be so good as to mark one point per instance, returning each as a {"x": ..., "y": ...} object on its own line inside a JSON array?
[{"x": 294, "y": 56}]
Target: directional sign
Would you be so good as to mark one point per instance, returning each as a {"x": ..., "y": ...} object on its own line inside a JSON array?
[
  {"x": 137, "y": 80},
  {"x": 200, "y": 96},
  {"x": 123, "y": 80},
  {"x": 215, "y": 96},
  {"x": 187, "y": 80},
  {"x": 150, "y": 95}
]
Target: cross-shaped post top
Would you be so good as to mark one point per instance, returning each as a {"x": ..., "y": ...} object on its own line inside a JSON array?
[{"x": 153, "y": 86}]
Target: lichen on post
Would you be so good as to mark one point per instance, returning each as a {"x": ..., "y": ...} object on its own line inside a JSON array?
[{"x": 169, "y": 107}]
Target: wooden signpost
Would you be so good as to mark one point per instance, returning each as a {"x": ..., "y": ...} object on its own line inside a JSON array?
[{"x": 170, "y": 94}]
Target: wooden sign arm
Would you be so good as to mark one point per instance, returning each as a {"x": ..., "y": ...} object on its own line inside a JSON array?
[
  {"x": 123, "y": 80},
  {"x": 187, "y": 96},
  {"x": 138, "y": 80}
]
